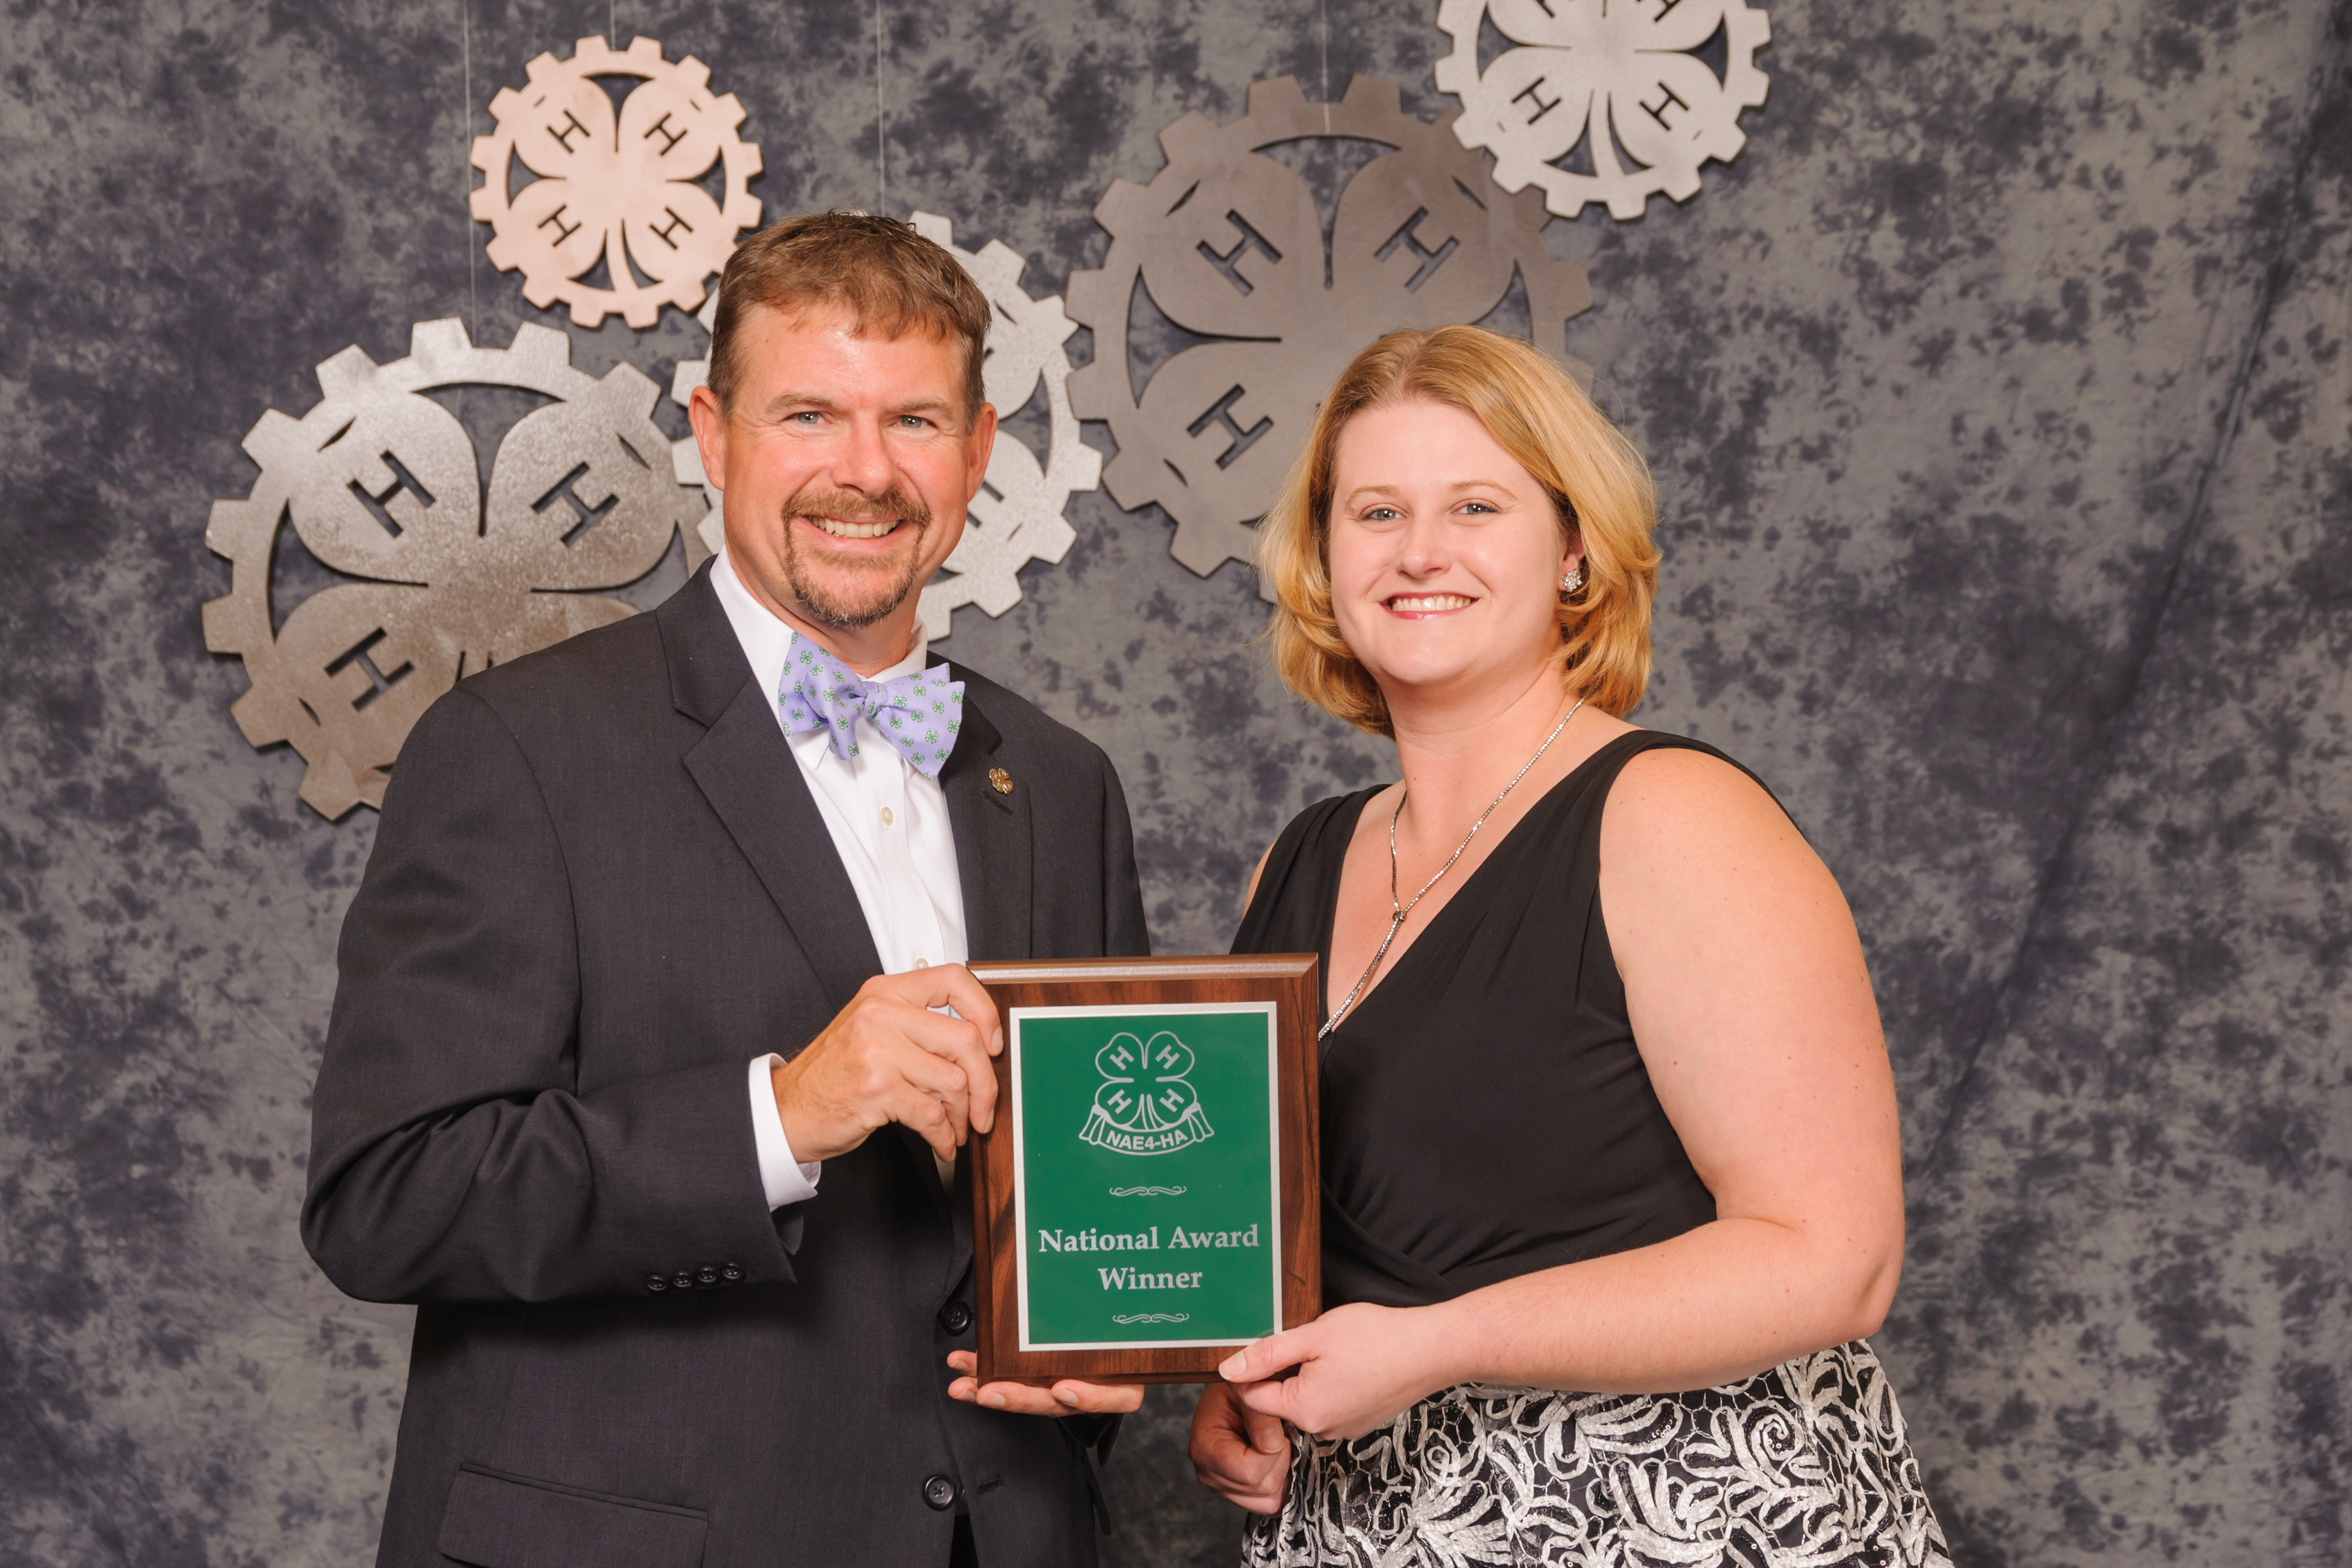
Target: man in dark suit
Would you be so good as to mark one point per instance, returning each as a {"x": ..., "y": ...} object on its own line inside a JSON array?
[{"x": 643, "y": 1081}]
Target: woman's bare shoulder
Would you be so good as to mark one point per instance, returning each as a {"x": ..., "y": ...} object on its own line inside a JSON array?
[
  {"x": 1256, "y": 871},
  {"x": 1671, "y": 804}
]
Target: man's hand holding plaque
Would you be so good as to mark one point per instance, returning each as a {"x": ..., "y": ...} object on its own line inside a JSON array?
[{"x": 890, "y": 1057}]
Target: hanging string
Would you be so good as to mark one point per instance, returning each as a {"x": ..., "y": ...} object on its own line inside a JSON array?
[
  {"x": 1323, "y": 9},
  {"x": 465, "y": 162},
  {"x": 881, "y": 132}
]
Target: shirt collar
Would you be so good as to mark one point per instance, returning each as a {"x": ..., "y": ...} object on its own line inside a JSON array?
[{"x": 767, "y": 641}]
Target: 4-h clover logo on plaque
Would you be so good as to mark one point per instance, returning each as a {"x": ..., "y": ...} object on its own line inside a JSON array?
[{"x": 1145, "y": 1105}]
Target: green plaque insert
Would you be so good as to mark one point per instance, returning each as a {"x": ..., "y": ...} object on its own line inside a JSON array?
[{"x": 1147, "y": 1142}]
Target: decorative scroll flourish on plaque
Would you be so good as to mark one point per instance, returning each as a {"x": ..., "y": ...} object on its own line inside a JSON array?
[
  {"x": 380, "y": 482},
  {"x": 614, "y": 190},
  {"x": 1624, "y": 84},
  {"x": 1018, "y": 516},
  {"x": 1228, "y": 244}
]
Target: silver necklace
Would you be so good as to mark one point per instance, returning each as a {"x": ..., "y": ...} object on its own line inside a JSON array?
[{"x": 1397, "y": 911}]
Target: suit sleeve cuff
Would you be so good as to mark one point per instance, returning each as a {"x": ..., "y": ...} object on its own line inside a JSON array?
[{"x": 785, "y": 1180}]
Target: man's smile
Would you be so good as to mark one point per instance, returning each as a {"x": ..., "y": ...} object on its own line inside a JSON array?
[{"x": 851, "y": 528}]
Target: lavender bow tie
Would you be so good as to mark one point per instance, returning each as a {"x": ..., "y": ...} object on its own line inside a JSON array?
[{"x": 918, "y": 714}]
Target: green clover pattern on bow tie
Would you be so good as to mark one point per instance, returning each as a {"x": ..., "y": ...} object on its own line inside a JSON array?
[{"x": 819, "y": 692}]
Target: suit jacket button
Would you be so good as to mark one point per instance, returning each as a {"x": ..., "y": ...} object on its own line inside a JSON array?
[
  {"x": 939, "y": 1492},
  {"x": 706, "y": 1276},
  {"x": 732, "y": 1273},
  {"x": 657, "y": 1283},
  {"x": 682, "y": 1279},
  {"x": 955, "y": 1317}
]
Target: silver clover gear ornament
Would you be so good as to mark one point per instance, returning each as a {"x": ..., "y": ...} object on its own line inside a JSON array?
[
  {"x": 1019, "y": 514},
  {"x": 381, "y": 483},
  {"x": 685, "y": 453},
  {"x": 615, "y": 185},
  {"x": 1605, "y": 76},
  {"x": 1229, "y": 244}
]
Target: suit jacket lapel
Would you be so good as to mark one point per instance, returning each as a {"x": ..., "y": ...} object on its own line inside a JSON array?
[
  {"x": 993, "y": 838},
  {"x": 748, "y": 773}
]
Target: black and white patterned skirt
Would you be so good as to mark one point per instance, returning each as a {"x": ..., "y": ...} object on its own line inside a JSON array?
[{"x": 1805, "y": 1464}]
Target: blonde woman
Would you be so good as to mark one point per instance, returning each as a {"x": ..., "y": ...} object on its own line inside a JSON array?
[{"x": 1612, "y": 1188}]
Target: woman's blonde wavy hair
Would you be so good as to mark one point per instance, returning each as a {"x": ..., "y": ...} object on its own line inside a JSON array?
[{"x": 1599, "y": 484}]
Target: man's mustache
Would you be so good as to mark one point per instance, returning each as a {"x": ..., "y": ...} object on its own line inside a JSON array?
[{"x": 850, "y": 507}]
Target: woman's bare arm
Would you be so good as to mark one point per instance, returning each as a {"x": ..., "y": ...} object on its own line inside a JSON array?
[{"x": 1241, "y": 1455}]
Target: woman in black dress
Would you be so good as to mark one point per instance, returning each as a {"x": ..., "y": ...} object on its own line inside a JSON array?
[{"x": 1612, "y": 1183}]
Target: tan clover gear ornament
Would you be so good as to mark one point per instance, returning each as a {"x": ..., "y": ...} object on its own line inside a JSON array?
[
  {"x": 1607, "y": 78},
  {"x": 615, "y": 185},
  {"x": 381, "y": 482},
  {"x": 1018, "y": 515},
  {"x": 1228, "y": 242}
]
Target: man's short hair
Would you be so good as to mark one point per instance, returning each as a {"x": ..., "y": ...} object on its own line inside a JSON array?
[{"x": 890, "y": 280}]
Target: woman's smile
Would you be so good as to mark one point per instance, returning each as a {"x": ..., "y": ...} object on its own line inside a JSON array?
[{"x": 1420, "y": 604}]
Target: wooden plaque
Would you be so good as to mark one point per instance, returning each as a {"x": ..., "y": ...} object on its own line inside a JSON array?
[{"x": 1149, "y": 1198}]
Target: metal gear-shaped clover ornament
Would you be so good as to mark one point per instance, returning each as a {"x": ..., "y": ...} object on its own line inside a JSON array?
[
  {"x": 685, "y": 453},
  {"x": 380, "y": 483},
  {"x": 1605, "y": 78},
  {"x": 614, "y": 186},
  {"x": 1019, "y": 514},
  {"x": 1229, "y": 245}
]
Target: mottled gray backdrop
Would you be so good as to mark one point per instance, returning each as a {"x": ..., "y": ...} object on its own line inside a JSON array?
[{"x": 2003, "y": 423}]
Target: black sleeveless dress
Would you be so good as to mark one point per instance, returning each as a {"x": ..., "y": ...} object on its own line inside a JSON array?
[{"x": 1485, "y": 1114}]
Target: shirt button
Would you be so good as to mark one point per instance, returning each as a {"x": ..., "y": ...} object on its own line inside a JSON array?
[
  {"x": 939, "y": 1492},
  {"x": 682, "y": 1280},
  {"x": 706, "y": 1276},
  {"x": 732, "y": 1273},
  {"x": 886, "y": 816},
  {"x": 922, "y": 963},
  {"x": 955, "y": 1317},
  {"x": 657, "y": 1283}
]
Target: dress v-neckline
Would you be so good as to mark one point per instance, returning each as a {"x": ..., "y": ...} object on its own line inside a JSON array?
[{"x": 1330, "y": 911}]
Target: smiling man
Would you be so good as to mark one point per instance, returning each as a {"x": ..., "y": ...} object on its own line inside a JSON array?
[{"x": 654, "y": 1062}]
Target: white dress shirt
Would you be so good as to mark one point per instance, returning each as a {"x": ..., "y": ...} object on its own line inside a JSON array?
[{"x": 889, "y": 826}]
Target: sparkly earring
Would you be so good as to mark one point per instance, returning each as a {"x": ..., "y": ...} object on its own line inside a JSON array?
[{"x": 1571, "y": 580}]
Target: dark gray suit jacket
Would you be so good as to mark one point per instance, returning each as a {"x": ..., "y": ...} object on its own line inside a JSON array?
[{"x": 599, "y": 888}]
